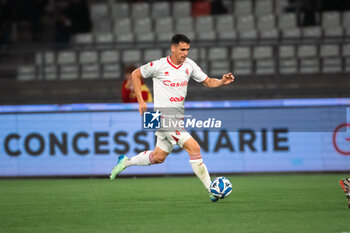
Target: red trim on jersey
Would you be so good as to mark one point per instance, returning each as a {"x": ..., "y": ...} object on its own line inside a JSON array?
[
  {"x": 176, "y": 67},
  {"x": 176, "y": 139},
  {"x": 205, "y": 79}
]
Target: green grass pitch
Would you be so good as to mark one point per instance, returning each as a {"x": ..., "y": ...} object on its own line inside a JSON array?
[{"x": 257, "y": 204}]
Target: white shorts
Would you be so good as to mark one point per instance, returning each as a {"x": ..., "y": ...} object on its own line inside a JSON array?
[{"x": 166, "y": 140}]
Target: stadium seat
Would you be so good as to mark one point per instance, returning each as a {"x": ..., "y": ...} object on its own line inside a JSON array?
[
  {"x": 291, "y": 33},
  {"x": 331, "y": 19},
  {"x": 26, "y": 73},
  {"x": 165, "y": 37},
  {"x": 287, "y": 21},
  {"x": 140, "y": 10},
  {"x": 224, "y": 23},
  {"x": 218, "y": 68},
  {"x": 333, "y": 32},
  {"x": 217, "y": 54},
  {"x": 262, "y": 52},
  {"x": 120, "y": 10},
  {"x": 109, "y": 56},
  {"x": 163, "y": 26},
  {"x": 193, "y": 54},
  {"x": 288, "y": 66},
  {"x": 91, "y": 71},
  {"x": 66, "y": 57},
  {"x": 309, "y": 66},
  {"x": 346, "y": 19},
  {"x": 265, "y": 22},
  {"x": 184, "y": 25},
  {"x": 242, "y": 7},
  {"x": 263, "y": 7},
  {"x": 146, "y": 37},
  {"x": 228, "y": 35},
  {"x": 204, "y": 24},
  {"x": 142, "y": 26},
  {"x": 86, "y": 57},
  {"x": 46, "y": 58},
  {"x": 269, "y": 34},
  {"x": 98, "y": 11},
  {"x": 122, "y": 26},
  {"x": 111, "y": 71},
  {"x": 332, "y": 65},
  {"x": 250, "y": 34},
  {"x": 48, "y": 72},
  {"x": 83, "y": 39},
  {"x": 241, "y": 53},
  {"x": 331, "y": 61},
  {"x": 309, "y": 63},
  {"x": 307, "y": 51},
  {"x": 125, "y": 38},
  {"x": 243, "y": 67},
  {"x": 264, "y": 62},
  {"x": 131, "y": 56},
  {"x": 280, "y": 6},
  {"x": 152, "y": 54},
  {"x": 181, "y": 9},
  {"x": 69, "y": 72},
  {"x": 329, "y": 50},
  {"x": 206, "y": 36},
  {"x": 160, "y": 10},
  {"x": 347, "y": 32},
  {"x": 347, "y": 65},
  {"x": 311, "y": 32},
  {"x": 265, "y": 66},
  {"x": 346, "y": 50},
  {"x": 245, "y": 22},
  {"x": 286, "y": 51},
  {"x": 104, "y": 38}
]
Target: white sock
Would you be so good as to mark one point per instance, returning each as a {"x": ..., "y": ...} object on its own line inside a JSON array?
[
  {"x": 201, "y": 172},
  {"x": 145, "y": 158}
]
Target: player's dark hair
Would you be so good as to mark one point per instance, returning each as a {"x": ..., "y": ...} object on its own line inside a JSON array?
[
  {"x": 129, "y": 69},
  {"x": 177, "y": 38}
]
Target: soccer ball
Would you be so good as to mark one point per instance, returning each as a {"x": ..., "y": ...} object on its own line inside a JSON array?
[{"x": 221, "y": 187}]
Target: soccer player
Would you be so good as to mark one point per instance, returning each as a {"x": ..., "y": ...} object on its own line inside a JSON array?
[
  {"x": 345, "y": 184},
  {"x": 170, "y": 78}
]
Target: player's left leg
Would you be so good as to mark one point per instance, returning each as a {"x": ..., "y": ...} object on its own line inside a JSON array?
[
  {"x": 345, "y": 184},
  {"x": 193, "y": 149}
]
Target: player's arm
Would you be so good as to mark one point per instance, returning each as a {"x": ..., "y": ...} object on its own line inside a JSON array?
[
  {"x": 213, "y": 82},
  {"x": 136, "y": 77}
]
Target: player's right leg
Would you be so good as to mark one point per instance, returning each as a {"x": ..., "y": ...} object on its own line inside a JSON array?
[
  {"x": 345, "y": 184},
  {"x": 144, "y": 158}
]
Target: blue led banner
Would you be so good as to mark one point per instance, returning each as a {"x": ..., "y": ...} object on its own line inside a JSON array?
[{"x": 256, "y": 136}]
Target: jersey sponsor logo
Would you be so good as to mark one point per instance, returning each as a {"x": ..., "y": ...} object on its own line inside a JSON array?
[
  {"x": 186, "y": 71},
  {"x": 166, "y": 73},
  {"x": 175, "y": 84},
  {"x": 177, "y": 99},
  {"x": 151, "y": 63}
]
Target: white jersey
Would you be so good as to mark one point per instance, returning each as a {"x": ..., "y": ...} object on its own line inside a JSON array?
[{"x": 170, "y": 81}]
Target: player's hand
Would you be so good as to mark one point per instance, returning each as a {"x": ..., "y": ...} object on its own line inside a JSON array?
[
  {"x": 142, "y": 107},
  {"x": 228, "y": 78}
]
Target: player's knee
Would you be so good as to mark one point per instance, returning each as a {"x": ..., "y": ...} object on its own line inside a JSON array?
[{"x": 195, "y": 150}]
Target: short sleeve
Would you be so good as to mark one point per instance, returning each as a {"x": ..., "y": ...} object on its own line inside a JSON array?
[
  {"x": 197, "y": 74},
  {"x": 148, "y": 70}
]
